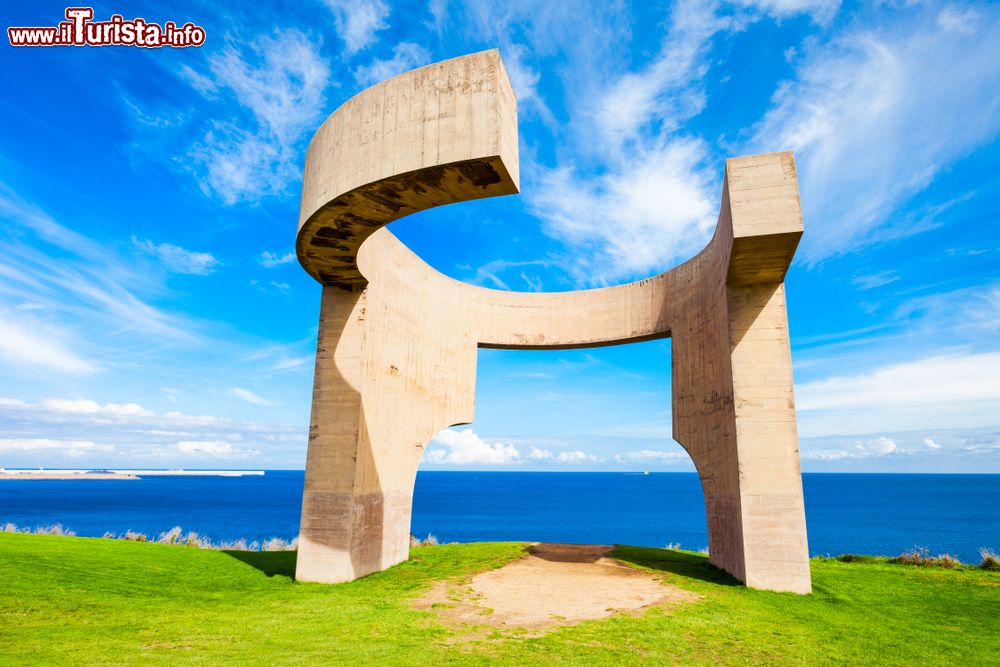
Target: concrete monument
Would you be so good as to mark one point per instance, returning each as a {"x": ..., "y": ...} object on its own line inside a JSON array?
[{"x": 396, "y": 355}]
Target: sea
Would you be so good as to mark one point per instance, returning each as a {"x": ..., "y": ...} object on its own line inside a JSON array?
[{"x": 884, "y": 514}]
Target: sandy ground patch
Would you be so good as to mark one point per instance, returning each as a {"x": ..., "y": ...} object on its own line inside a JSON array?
[{"x": 554, "y": 584}]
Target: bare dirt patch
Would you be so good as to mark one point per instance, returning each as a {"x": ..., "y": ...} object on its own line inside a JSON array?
[{"x": 554, "y": 584}]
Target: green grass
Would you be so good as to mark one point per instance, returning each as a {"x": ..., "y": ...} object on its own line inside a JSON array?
[{"x": 67, "y": 600}]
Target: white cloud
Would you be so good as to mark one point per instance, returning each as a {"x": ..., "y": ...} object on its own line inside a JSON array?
[
  {"x": 179, "y": 260},
  {"x": 13, "y": 403},
  {"x": 879, "y": 446},
  {"x": 536, "y": 454},
  {"x": 272, "y": 286},
  {"x": 653, "y": 456},
  {"x": 875, "y": 115},
  {"x": 439, "y": 12},
  {"x": 524, "y": 80},
  {"x": 936, "y": 450},
  {"x": 961, "y": 20},
  {"x": 534, "y": 283},
  {"x": 405, "y": 56},
  {"x": 575, "y": 456},
  {"x": 861, "y": 449},
  {"x": 653, "y": 198},
  {"x": 821, "y": 11},
  {"x": 950, "y": 390},
  {"x": 873, "y": 280},
  {"x": 250, "y": 397},
  {"x": 281, "y": 81},
  {"x": 358, "y": 20},
  {"x": 643, "y": 213},
  {"x": 130, "y": 435},
  {"x": 89, "y": 407},
  {"x": 466, "y": 448},
  {"x": 571, "y": 457},
  {"x": 670, "y": 89},
  {"x": 970, "y": 313},
  {"x": 523, "y": 31},
  {"x": 70, "y": 448},
  {"x": 271, "y": 259},
  {"x": 952, "y": 378},
  {"x": 34, "y": 344},
  {"x": 216, "y": 449},
  {"x": 89, "y": 284},
  {"x": 489, "y": 274}
]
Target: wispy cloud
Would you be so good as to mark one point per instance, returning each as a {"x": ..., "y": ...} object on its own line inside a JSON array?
[
  {"x": 50, "y": 446},
  {"x": 952, "y": 378},
  {"x": 669, "y": 89},
  {"x": 270, "y": 259},
  {"x": 858, "y": 101},
  {"x": 465, "y": 447},
  {"x": 89, "y": 285},
  {"x": 405, "y": 56},
  {"x": 26, "y": 341},
  {"x": 653, "y": 456},
  {"x": 489, "y": 274},
  {"x": 575, "y": 456},
  {"x": 215, "y": 449},
  {"x": 82, "y": 406},
  {"x": 873, "y": 280},
  {"x": 633, "y": 220},
  {"x": 280, "y": 81},
  {"x": 357, "y": 21},
  {"x": 936, "y": 450},
  {"x": 272, "y": 286},
  {"x": 821, "y": 11},
  {"x": 179, "y": 260},
  {"x": 942, "y": 390},
  {"x": 97, "y": 434},
  {"x": 860, "y": 449},
  {"x": 250, "y": 397},
  {"x": 968, "y": 313},
  {"x": 651, "y": 198}
]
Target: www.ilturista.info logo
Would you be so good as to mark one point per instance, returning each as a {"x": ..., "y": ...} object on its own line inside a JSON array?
[{"x": 79, "y": 29}]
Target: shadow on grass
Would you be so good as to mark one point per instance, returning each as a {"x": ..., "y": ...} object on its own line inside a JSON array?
[
  {"x": 691, "y": 565},
  {"x": 271, "y": 563}
]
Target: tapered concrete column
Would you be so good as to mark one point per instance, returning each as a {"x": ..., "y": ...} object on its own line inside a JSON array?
[
  {"x": 775, "y": 553},
  {"x": 336, "y": 511}
]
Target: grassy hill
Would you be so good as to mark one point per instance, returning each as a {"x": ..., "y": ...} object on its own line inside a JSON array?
[{"x": 83, "y": 601}]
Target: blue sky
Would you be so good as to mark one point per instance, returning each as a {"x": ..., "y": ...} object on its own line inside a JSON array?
[{"x": 152, "y": 312}]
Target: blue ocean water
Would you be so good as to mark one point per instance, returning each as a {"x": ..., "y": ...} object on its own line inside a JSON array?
[{"x": 857, "y": 513}]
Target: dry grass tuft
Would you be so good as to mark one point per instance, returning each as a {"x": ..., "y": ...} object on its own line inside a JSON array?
[
  {"x": 176, "y": 536},
  {"x": 990, "y": 560},
  {"x": 428, "y": 541},
  {"x": 921, "y": 556}
]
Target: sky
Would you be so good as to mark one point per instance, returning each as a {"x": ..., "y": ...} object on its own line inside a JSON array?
[{"x": 153, "y": 314}]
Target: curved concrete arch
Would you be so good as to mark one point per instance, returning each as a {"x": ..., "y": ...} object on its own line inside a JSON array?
[{"x": 396, "y": 355}]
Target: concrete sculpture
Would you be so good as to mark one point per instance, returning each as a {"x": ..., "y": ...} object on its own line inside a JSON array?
[{"x": 396, "y": 355}]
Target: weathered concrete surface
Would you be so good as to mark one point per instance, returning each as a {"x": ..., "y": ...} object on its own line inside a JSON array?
[{"x": 396, "y": 356}]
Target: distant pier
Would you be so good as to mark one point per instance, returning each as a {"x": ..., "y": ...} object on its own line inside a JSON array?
[{"x": 42, "y": 473}]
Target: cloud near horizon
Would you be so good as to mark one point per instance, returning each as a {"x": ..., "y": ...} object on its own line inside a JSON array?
[
  {"x": 464, "y": 448},
  {"x": 105, "y": 435}
]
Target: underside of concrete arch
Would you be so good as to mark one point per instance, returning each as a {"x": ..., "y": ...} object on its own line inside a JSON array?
[{"x": 396, "y": 355}]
